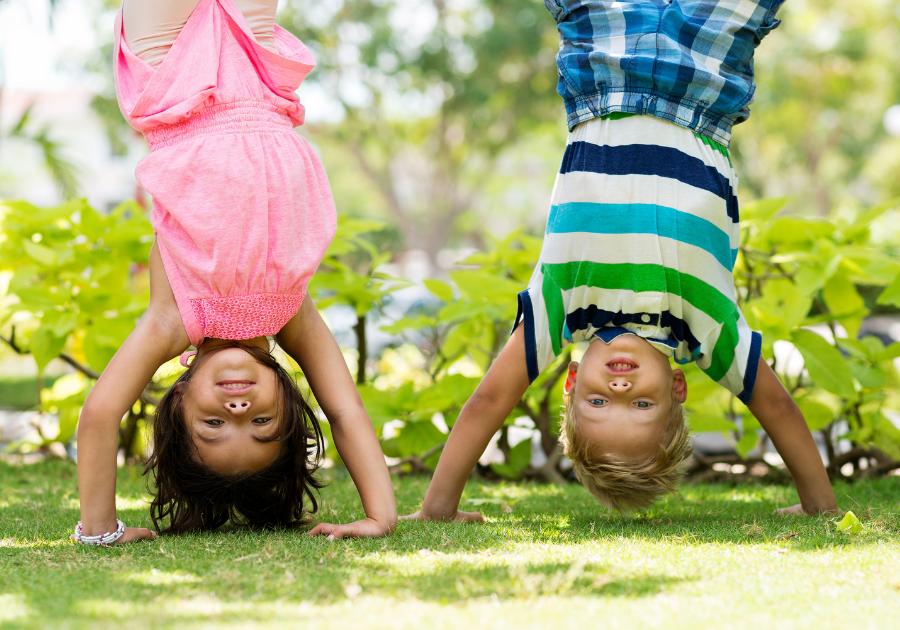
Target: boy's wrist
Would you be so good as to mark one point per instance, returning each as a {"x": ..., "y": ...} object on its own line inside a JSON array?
[{"x": 434, "y": 511}]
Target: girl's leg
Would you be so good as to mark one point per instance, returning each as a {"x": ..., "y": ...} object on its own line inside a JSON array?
[
  {"x": 151, "y": 26},
  {"x": 260, "y": 16}
]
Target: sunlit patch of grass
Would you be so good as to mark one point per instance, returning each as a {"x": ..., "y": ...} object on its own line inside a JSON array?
[
  {"x": 548, "y": 557},
  {"x": 13, "y": 606},
  {"x": 157, "y": 577}
]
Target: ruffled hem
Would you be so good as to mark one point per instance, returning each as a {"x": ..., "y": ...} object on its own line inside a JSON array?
[
  {"x": 244, "y": 316},
  {"x": 149, "y": 97}
]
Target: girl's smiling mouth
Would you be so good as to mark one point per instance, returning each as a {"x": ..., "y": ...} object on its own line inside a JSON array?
[{"x": 235, "y": 387}]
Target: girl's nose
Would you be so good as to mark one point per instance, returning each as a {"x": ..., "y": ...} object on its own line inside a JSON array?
[
  {"x": 238, "y": 408},
  {"x": 620, "y": 385}
]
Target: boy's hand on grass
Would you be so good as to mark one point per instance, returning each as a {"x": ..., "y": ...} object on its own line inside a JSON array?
[
  {"x": 797, "y": 510},
  {"x": 132, "y": 534},
  {"x": 794, "y": 510},
  {"x": 459, "y": 517},
  {"x": 366, "y": 528}
]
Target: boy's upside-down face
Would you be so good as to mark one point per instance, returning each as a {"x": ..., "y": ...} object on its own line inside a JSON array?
[{"x": 623, "y": 395}]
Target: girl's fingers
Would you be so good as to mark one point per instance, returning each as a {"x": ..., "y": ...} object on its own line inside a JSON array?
[
  {"x": 321, "y": 529},
  {"x": 133, "y": 534},
  {"x": 338, "y": 532}
]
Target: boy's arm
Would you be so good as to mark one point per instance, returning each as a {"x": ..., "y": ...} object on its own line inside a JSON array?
[
  {"x": 483, "y": 414},
  {"x": 782, "y": 419},
  {"x": 158, "y": 337},
  {"x": 307, "y": 339}
]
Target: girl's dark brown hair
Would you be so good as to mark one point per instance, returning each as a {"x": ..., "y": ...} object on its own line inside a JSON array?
[{"x": 192, "y": 497}]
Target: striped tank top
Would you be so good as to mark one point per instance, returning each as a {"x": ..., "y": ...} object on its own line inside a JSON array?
[{"x": 642, "y": 237}]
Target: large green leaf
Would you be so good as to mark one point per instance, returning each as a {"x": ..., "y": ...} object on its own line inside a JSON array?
[
  {"x": 707, "y": 422},
  {"x": 817, "y": 415},
  {"x": 441, "y": 289},
  {"x": 519, "y": 458},
  {"x": 418, "y": 437},
  {"x": 891, "y": 293},
  {"x": 826, "y": 366},
  {"x": 44, "y": 255},
  {"x": 747, "y": 443},
  {"x": 381, "y": 405},
  {"x": 762, "y": 211},
  {"x": 45, "y": 346}
]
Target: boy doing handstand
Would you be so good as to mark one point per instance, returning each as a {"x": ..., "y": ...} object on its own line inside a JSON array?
[{"x": 637, "y": 257}]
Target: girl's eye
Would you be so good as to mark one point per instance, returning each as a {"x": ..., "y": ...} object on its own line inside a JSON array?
[
  {"x": 642, "y": 404},
  {"x": 598, "y": 402},
  {"x": 261, "y": 420},
  {"x": 214, "y": 423}
]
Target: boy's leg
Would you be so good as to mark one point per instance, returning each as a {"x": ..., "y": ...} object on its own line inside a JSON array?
[{"x": 483, "y": 414}]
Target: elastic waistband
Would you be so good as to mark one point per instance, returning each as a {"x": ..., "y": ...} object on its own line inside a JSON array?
[
  {"x": 227, "y": 118},
  {"x": 684, "y": 112}
]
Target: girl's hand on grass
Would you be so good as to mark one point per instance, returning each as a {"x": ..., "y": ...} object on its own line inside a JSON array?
[
  {"x": 366, "y": 528},
  {"x": 459, "y": 517},
  {"x": 132, "y": 534}
]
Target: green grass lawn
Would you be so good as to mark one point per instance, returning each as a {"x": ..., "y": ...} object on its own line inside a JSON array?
[{"x": 549, "y": 557}]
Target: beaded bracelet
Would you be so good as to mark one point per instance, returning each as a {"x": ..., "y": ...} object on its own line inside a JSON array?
[{"x": 103, "y": 539}]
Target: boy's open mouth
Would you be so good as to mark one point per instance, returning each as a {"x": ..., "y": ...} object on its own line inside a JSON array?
[{"x": 621, "y": 365}]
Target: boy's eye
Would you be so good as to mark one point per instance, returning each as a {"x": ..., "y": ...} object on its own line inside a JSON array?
[
  {"x": 214, "y": 423},
  {"x": 598, "y": 402},
  {"x": 261, "y": 420},
  {"x": 642, "y": 404}
]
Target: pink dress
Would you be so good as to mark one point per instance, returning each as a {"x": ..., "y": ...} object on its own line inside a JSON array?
[{"x": 242, "y": 210}]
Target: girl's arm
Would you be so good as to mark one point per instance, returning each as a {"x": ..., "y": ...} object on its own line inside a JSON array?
[
  {"x": 158, "y": 337},
  {"x": 782, "y": 419},
  {"x": 481, "y": 417},
  {"x": 307, "y": 339}
]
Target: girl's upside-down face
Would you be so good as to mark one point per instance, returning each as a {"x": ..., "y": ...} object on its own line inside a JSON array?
[{"x": 231, "y": 410}]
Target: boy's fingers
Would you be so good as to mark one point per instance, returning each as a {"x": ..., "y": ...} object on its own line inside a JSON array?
[
  {"x": 470, "y": 517},
  {"x": 790, "y": 511},
  {"x": 416, "y": 516}
]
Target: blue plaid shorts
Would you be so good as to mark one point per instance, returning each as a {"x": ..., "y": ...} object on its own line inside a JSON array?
[{"x": 686, "y": 61}]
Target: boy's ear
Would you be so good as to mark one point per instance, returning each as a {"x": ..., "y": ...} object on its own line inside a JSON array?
[
  {"x": 679, "y": 386},
  {"x": 569, "y": 387}
]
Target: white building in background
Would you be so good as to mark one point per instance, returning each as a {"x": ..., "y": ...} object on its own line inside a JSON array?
[
  {"x": 42, "y": 65},
  {"x": 104, "y": 179}
]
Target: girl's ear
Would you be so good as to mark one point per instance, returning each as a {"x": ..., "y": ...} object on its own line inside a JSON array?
[
  {"x": 679, "y": 386},
  {"x": 569, "y": 387}
]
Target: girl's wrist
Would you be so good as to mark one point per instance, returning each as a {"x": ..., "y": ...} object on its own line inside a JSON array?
[
  {"x": 100, "y": 540},
  {"x": 95, "y": 527}
]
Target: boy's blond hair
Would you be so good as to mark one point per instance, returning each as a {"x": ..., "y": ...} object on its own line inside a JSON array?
[{"x": 623, "y": 484}]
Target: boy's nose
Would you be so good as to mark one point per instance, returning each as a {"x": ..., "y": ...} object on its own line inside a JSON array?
[
  {"x": 620, "y": 385},
  {"x": 238, "y": 408}
]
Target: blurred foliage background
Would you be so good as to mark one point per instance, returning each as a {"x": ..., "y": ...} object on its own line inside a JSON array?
[{"x": 441, "y": 130}]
